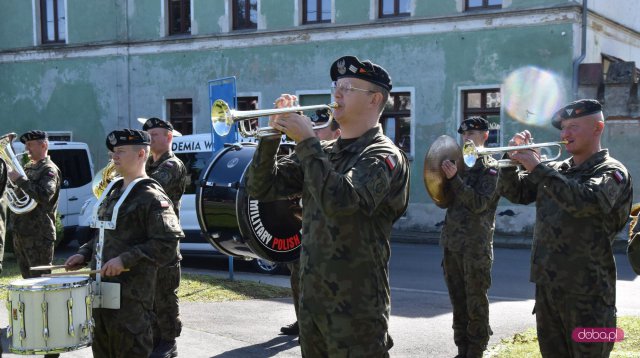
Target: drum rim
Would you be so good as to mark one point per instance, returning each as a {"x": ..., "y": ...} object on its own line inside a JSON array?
[{"x": 84, "y": 281}]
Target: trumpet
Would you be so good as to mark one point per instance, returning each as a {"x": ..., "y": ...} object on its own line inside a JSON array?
[
  {"x": 471, "y": 153},
  {"x": 223, "y": 118}
]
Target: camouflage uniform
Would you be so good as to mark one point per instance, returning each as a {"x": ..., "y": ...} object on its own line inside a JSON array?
[
  {"x": 3, "y": 212},
  {"x": 467, "y": 239},
  {"x": 146, "y": 237},
  {"x": 579, "y": 211},
  {"x": 294, "y": 267},
  {"x": 352, "y": 194},
  {"x": 633, "y": 249},
  {"x": 170, "y": 172},
  {"x": 34, "y": 233}
]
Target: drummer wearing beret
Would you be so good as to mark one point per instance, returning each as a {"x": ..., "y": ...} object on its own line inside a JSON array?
[
  {"x": 353, "y": 189},
  {"x": 582, "y": 203},
  {"x": 467, "y": 242},
  {"x": 146, "y": 237},
  {"x": 168, "y": 170},
  {"x": 34, "y": 232}
]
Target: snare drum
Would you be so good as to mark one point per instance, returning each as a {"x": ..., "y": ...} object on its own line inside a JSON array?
[{"x": 49, "y": 314}]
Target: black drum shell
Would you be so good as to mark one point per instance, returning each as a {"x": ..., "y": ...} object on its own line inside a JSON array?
[{"x": 235, "y": 223}]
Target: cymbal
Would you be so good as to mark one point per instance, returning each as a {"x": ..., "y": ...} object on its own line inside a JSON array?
[{"x": 444, "y": 148}]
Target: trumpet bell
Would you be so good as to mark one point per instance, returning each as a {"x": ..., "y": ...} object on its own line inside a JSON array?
[
  {"x": 221, "y": 117},
  {"x": 435, "y": 181}
]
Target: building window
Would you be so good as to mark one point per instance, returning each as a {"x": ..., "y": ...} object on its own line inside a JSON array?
[
  {"x": 245, "y": 14},
  {"x": 181, "y": 115},
  {"x": 396, "y": 120},
  {"x": 53, "y": 21},
  {"x": 179, "y": 17},
  {"x": 483, "y": 4},
  {"x": 486, "y": 104},
  {"x": 316, "y": 11},
  {"x": 393, "y": 8}
]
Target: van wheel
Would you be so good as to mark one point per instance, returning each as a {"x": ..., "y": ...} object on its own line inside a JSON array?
[{"x": 264, "y": 266}]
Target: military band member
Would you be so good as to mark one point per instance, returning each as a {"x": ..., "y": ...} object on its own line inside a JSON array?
[
  {"x": 169, "y": 171},
  {"x": 581, "y": 205},
  {"x": 353, "y": 190},
  {"x": 146, "y": 237},
  {"x": 467, "y": 240},
  {"x": 34, "y": 232},
  {"x": 330, "y": 132},
  {"x": 3, "y": 211}
]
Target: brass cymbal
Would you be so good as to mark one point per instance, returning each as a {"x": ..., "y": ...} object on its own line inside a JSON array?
[{"x": 444, "y": 148}]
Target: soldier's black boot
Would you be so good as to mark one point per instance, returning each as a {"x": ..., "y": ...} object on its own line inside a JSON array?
[
  {"x": 54, "y": 355},
  {"x": 462, "y": 352},
  {"x": 165, "y": 349},
  {"x": 291, "y": 330},
  {"x": 474, "y": 351}
]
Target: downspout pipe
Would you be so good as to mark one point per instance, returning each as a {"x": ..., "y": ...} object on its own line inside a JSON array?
[{"x": 583, "y": 49}]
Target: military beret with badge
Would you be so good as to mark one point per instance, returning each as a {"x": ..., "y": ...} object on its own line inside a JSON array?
[
  {"x": 33, "y": 135},
  {"x": 576, "y": 109},
  {"x": 351, "y": 66},
  {"x": 473, "y": 124},
  {"x": 154, "y": 122},
  {"x": 127, "y": 136}
]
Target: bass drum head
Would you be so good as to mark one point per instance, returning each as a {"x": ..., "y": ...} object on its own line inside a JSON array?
[{"x": 239, "y": 225}]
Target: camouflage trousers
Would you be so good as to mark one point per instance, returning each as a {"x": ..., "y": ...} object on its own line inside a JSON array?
[
  {"x": 468, "y": 278},
  {"x": 294, "y": 267},
  {"x": 558, "y": 313},
  {"x": 123, "y": 333},
  {"x": 167, "y": 325},
  {"x": 342, "y": 336},
  {"x": 32, "y": 251}
]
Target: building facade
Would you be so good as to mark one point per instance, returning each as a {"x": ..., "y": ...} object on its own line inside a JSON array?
[{"x": 80, "y": 69}]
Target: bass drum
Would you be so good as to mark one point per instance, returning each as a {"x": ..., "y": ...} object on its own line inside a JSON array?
[{"x": 237, "y": 224}]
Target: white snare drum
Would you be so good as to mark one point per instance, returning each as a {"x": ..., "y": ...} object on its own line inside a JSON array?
[{"x": 49, "y": 314}]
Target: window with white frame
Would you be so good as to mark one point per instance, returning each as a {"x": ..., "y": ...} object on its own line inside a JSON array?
[
  {"x": 316, "y": 11},
  {"x": 396, "y": 120},
  {"x": 53, "y": 21},
  {"x": 179, "y": 19}
]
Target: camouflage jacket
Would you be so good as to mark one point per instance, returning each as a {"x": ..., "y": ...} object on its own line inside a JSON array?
[
  {"x": 42, "y": 184},
  {"x": 470, "y": 219},
  {"x": 146, "y": 237},
  {"x": 579, "y": 211},
  {"x": 170, "y": 172},
  {"x": 350, "y": 196}
]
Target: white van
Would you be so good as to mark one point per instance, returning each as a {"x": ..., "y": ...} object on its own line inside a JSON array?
[
  {"x": 195, "y": 151},
  {"x": 76, "y": 168}
]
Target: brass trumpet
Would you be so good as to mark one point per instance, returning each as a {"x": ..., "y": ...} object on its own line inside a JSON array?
[
  {"x": 19, "y": 201},
  {"x": 223, "y": 117},
  {"x": 471, "y": 153}
]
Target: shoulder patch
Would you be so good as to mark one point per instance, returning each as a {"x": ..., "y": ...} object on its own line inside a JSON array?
[
  {"x": 492, "y": 171},
  {"x": 391, "y": 161},
  {"x": 618, "y": 176},
  {"x": 50, "y": 173},
  {"x": 169, "y": 164},
  {"x": 164, "y": 203}
]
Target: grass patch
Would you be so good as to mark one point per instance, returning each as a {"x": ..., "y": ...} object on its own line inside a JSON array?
[
  {"x": 525, "y": 344},
  {"x": 193, "y": 287}
]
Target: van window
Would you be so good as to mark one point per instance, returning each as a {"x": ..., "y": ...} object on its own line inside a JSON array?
[
  {"x": 74, "y": 166},
  {"x": 194, "y": 162}
]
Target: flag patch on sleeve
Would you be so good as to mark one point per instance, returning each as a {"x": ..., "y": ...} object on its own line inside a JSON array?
[
  {"x": 492, "y": 171},
  {"x": 391, "y": 161},
  {"x": 618, "y": 176},
  {"x": 164, "y": 204}
]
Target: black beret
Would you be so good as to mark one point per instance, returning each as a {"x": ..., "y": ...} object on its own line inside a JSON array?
[
  {"x": 33, "y": 135},
  {"x": 576, "y": 109},
  {"x": 350, "y": 66},
  {"x": 156, "y": 123},
  {"x": 127, "y": 137},
  {"x": 473, "y": 124}
]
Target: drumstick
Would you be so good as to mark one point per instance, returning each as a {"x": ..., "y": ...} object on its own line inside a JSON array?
[
  {"x": 46, "y": 267},
  {"x": 68, "y": 273}
]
